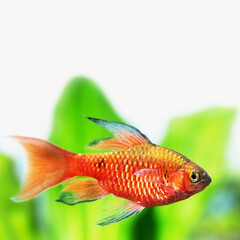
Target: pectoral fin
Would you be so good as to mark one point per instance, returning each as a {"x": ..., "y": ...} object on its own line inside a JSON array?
[
  {"x": 78, "y": 190},
  {"x": 125, "y": 136},
  {"x": 151, "y": 175}
]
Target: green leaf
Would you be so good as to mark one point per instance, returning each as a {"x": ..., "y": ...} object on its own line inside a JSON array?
[
  {"x": 73, "y": 132},
  {"x": 203, "y": 137},
  {"x": 18, "y": 220}
]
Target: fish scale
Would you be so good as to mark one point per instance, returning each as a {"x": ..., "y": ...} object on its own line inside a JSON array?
[{"x": 115, "y": 172}]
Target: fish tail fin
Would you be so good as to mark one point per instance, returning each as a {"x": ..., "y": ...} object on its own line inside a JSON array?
[{"x": 47, "y": 164}]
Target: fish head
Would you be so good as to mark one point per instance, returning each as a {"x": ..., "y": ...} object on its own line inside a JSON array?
[{"x": 195, "y": 178}]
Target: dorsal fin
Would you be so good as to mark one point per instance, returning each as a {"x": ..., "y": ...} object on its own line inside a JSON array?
[{"x": 126, "y": 136}]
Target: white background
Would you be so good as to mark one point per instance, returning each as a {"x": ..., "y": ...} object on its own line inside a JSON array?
[{"x": 153, "y": 59}]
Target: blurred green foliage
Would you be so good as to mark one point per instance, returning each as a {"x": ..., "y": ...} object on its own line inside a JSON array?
[
  {"x": 203, "y": 137},
  {"x": 17, "y": 221}
]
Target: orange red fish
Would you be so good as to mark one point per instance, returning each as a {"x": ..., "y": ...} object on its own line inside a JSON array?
[{"x": 144, "y": 174}]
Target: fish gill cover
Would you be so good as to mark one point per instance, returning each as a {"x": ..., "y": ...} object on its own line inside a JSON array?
[{"x": 203, "y": 137}]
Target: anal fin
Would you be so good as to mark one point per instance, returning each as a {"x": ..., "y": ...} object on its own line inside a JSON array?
[
  {"x": 78, "y": 190},
  {"x": 123, "y": 211}
]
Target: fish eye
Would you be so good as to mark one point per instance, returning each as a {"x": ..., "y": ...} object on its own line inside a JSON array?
[{"x": 194, "y": 176}]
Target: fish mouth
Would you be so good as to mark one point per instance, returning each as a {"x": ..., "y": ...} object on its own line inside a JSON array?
[{"x": 206, "y": 179}]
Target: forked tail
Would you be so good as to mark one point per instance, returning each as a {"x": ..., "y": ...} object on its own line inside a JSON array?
[{"x": 47, "y": 167}]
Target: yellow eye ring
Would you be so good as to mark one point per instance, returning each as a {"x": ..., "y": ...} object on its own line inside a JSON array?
[{"x": 194, "y": 176}]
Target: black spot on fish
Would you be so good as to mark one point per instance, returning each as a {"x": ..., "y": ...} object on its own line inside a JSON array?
[
  {"x": 165, "y": 174},
  {"x": 101, "y": 163}
]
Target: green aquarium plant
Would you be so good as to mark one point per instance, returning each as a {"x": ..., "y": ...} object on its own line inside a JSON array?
[{"x": 203, "y": 137}]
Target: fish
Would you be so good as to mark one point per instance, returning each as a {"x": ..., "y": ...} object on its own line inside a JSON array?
[{"x": 129, "y": 167}]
